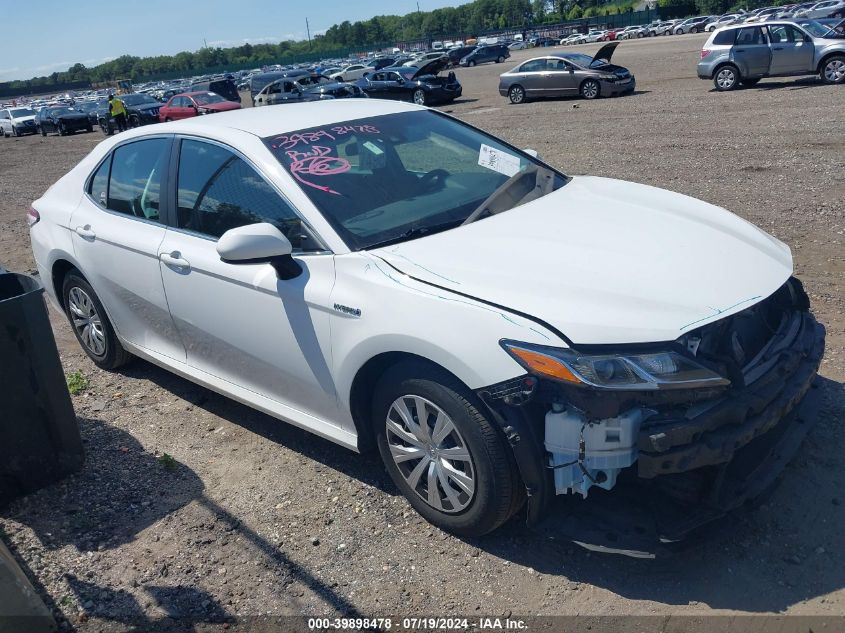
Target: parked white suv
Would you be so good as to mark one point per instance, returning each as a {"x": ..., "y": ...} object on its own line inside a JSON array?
[
  {"x": 17, "y": 122},
  {"x": 383, "y": 274}
]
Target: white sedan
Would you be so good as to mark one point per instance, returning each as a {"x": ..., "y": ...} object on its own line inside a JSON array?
[
  {"x": 351, "y": 73},
  {"x": 382, "y": 274}
]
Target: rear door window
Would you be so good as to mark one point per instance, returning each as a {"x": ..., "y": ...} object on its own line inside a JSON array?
[
  {"x": 725, "y": 37},
  {"x": 749, "y": 36},
  {"x": 135, "y": 182}
]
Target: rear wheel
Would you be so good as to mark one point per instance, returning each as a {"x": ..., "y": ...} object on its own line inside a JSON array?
[
  {"x": 726, "y": 78},
  {"x": 500, "y": 59},
  {"x": 91, "y": 325},
  {"x": 451, "y": 463},
  {"x": 693, "y": 30},
  {"x": 833, "y": 70},
  {"x": 590, "y": 89},
  {"x": 419, "y": 96},
  {"x": 471, "y": 63},
  {"x": 516, "y": 94}
]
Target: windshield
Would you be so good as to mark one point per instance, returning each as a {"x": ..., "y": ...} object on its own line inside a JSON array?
[
  {"x": 208, "y": 97},
  {"x": 313, "y": 80},
  {"x": 818, "y": 30},
  {"x": 61, "y": 111},
  {"x": 389, "y": 178},
  {"x": 21, "y": 112},
  {"x": 132, "y": 100}
]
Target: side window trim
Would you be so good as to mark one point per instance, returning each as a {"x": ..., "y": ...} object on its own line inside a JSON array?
[
  {"x": 165, "y": 209},
  {"x": 173, "y": 191}
]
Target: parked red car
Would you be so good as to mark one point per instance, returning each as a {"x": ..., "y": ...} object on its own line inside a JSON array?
[{"x": 190, "y": 104}]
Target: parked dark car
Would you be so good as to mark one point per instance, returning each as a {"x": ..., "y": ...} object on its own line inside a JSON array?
[
  {"x": 457, "y": 54},
  {"x": 226, "y": 88},
  {"x": 565, "y": 74},
  {"x": 141, "y": 109},
  {"x": 421, "y": 85},
  {"x": 495, "y": 53},
  {"x": 61, "y": 119}
]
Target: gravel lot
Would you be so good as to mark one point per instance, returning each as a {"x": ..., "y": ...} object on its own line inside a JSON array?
[{"x": 256, "y": 517}]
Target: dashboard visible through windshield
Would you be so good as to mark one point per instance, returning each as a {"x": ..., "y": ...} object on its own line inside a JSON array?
[{"x": 394, "y": 177}]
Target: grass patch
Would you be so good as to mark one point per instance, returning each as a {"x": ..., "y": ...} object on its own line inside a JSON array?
[
  {"x": 76, "y": 382},
  {"x": 168, "y": 461}
]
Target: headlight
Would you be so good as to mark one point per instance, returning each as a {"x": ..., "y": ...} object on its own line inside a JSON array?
[{"x": 631, "y": 372}]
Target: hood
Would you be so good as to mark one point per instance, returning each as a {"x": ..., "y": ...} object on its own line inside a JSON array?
[
  {"x": 72, "y": 115},
  {"x": 605, "y": 261},
  {"x": 24, "y": 119},
  {"x": 605, "y": 53},
  {"x": 433, "y": 67},
  {"x": 145, "y": 106}
]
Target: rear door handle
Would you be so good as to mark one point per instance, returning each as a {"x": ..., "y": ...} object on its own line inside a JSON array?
[
  {"x": 85, "y": 232},
  {"x": 174, "y": 259}
]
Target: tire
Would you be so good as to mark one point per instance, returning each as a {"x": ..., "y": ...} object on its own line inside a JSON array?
[
  {"x": 640, "y": 35},
  {"x": 167, "y": 119},
  {"x": 832, "y": 70},
  {"x": 89, "y": 129},
  {"x": 726, "y": 78},
  {"x": 749, "y": 83},
  {"x": 14, "y": 131},
  {"x": 693, "y": 30},
  {"x": 96, "y": 334},
  {"x": 590, "y": 89},
  {"x": 419, "y": 96},
  {"x": 500, "y": 59},
  {"x": 484, "y": 487},
  {"x": 61, "y": 130},
  {"x": 516, "y": 94},
  {"x": 471, "y": 63}
]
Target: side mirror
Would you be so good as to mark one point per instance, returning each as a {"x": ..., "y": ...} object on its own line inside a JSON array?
[{"x": 259, "y": 243}]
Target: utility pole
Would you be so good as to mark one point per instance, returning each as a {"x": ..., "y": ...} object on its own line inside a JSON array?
[{"x": 308, "y": 31}]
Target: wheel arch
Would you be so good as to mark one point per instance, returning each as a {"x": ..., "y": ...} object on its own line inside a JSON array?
[
  {"x": 58, "y": 272},
  {"x": 721, "y": 65},
  {"x": 363, "y": 385},
  {"x": 824, "y": 59}
]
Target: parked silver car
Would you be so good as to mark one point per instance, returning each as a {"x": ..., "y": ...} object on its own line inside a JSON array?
[
  {"x": 826, "y": 9},
  {"x": 563, "y": 74},
  {"x": 744, "y": 54}
]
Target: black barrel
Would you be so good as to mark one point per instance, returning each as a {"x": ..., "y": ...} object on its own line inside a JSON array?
[{"x": 39, "y": 436}]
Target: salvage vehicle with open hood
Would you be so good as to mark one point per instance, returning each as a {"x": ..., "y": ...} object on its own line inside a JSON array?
[
  {"x": 423, "y": 85},
  {"x": 384, "y": 275},
  {"x": 567, "y": 74}
]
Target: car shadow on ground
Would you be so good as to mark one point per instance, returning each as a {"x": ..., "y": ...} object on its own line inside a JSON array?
[
  {"x": 783, "y": 84},
  {"x": 121, "y": 491},
  {"x": 580, "y": 99}
]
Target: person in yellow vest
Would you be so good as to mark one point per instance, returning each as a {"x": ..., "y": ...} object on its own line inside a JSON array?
[{"x": 118, "y": 112}]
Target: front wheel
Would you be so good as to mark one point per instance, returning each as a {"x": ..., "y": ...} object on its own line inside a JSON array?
[
  {"x": 516, "y": 94},
  {"x": 590, "y": 89},
  {"x": 727, "y": 78},
  {"x": 91, "y": 325},
  {"x": 451, "y": 463},
  {"x": 693, "y": 30},
  {"x": 419, "y": 96},
  {"x": 833, "y": 70},
  {"x": 470, "y": 63}
]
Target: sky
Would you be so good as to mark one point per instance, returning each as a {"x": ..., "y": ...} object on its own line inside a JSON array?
[{"x": 52, "y": 35}]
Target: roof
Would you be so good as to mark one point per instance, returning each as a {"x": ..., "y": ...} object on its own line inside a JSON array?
[{"x": 270, "y": 120}]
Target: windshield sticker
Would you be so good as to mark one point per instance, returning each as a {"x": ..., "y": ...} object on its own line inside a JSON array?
[{"x": 499, "y": 161}]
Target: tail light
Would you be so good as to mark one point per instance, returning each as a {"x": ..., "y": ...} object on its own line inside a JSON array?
[
  {"x": 705, "y": 52},
  {"x": 32, "y": 216}
]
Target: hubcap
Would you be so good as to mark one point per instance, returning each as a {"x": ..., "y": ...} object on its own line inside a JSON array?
[
  {"x": 725, "y": 78},
  {"x": 86, "y": 321},
  {"x": 430, "y": 453},
  {"x": 834, "y": 71},
  {"x": 590, "y": 90}
]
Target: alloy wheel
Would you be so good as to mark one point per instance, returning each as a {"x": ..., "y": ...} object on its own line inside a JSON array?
[
  {"x": 86, "y": 321},
  {"x": 726, "y": 78},
  {"x": 834, "y": 71},
  {"x": 430, "y": 453},
  {"x": 419, "y": 96},
  {"x": 517, "y": 94},
  {"x": 590, "y": 89}
]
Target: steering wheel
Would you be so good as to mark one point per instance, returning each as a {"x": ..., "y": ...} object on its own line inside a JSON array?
[{"x": 434, "y": 177}]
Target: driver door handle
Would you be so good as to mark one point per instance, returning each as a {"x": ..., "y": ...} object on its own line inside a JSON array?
[
  {"x": 85, "y": 232},
  {"x": 174, "y": 259}
]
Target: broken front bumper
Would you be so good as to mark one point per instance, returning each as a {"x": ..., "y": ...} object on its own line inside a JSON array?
[{"x": 694, "y": 463}]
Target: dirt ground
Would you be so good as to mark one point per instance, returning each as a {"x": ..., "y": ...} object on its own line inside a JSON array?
[{"x": 256, "y": 517}]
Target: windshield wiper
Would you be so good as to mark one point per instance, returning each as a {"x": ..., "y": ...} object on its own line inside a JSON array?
[{"x": 417, "y": 231}]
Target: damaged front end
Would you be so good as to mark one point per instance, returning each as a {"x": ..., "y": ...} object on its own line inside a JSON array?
[{"x": 688, "y": 430}]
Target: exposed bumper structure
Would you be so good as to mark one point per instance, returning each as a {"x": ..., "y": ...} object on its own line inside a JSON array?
[{"x": 688, "y": 458}]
